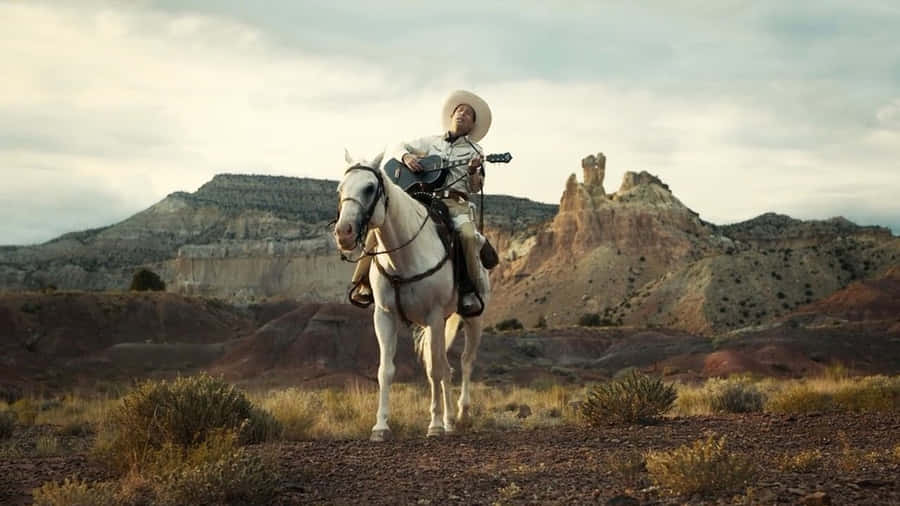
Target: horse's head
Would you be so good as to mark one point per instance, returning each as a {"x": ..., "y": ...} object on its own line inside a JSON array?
[{"x": 362, "y": 202}]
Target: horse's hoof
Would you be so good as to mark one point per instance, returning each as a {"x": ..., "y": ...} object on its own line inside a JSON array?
[
  {"x": 435, "y": 432},
  {"x": 381, "y": 435},
  {"x": 449, "y": 429}
]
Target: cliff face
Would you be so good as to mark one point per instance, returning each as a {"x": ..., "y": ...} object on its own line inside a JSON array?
[
  {"x": 639, "y": 256},
  {"x": 238, "y": 237}
]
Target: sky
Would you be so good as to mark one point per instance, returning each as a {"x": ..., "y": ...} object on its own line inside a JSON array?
[{"x": 740, "y": 107}]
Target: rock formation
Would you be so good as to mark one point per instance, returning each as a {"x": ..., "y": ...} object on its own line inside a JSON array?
[
  {"x": 639, "y": 256},
  {"x": 239, "y": 237}
]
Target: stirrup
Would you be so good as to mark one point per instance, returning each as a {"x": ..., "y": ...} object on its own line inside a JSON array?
[{"x": 359, "y": 299}]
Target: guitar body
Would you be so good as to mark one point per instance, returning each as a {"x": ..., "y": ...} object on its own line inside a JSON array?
[
  {"x": 431, "y": 178},
  {"x": 434, "y": 173}
]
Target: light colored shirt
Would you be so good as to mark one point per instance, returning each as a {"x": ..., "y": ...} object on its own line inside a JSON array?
[{"x": 461, "y": 149}]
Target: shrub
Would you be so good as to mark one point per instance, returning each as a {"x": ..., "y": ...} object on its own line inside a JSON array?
[
  {"x": 627, "y": 464},
  {"x": 240, "y": 478},
  {"x": 596, "y": 320},
  {"x": 591, "y": 320},
  {"x": 75, "y": 492},
  {"x": 7, "y": 424},
  {"x": 875, "y": 393},
  {"x": 181, "y": 413},
  {"x": 510, "y": 324},
  {"x": 802, "y": 462},
  {"x": 634, "y": 398},
  {"x": 146, "y": 279},
  {"x": 737, "y": 397},
  {"x": 216, "y": 471},
  {"x": 26, "y": 411},
  {"x": 702, "y": 468}
]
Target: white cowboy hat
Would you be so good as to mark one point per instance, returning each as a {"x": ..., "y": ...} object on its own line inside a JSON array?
[{"x": 482, "y": 112}]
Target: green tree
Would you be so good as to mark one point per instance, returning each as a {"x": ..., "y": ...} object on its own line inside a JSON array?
[{"x": 145, "y": 279}]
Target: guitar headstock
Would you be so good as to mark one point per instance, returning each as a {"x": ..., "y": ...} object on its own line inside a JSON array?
[{"x": 499, "y": 158}]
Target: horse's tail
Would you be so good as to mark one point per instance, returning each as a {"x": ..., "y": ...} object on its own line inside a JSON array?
[{"x": 450, "y": 329}]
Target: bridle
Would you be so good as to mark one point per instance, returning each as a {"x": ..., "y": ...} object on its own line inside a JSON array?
[{"x": 363, "y": 229}]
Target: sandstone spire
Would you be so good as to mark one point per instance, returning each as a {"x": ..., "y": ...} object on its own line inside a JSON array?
[{"x": 594, "y": 171}]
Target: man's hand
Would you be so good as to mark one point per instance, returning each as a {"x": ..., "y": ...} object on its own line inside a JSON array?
[
  {"x": 412, "y": 161},
  {"x": 474, "y": 163}
]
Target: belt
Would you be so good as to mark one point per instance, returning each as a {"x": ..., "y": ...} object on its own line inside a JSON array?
[{"x": 452, "y": 194}]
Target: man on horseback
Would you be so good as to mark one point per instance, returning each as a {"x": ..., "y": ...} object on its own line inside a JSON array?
[{"x": 466, "y": 119}]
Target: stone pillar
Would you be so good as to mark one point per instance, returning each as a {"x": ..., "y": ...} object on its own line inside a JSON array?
[{"x": 594, "y": 171}]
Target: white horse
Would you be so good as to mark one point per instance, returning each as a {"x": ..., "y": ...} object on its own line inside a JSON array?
[{"x": 370, "y": 200}]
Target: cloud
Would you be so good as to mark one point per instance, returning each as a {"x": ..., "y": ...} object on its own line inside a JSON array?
[{"x": 739, "y": 118}]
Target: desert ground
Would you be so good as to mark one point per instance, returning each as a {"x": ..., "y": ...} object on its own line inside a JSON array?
[{"x": 553, "y": 465}]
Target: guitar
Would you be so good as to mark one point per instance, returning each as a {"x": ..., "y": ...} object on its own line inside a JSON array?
[{"x": 435, "y": 171}]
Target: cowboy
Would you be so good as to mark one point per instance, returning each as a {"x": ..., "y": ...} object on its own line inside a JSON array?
[{"x": 466, "y": 119}]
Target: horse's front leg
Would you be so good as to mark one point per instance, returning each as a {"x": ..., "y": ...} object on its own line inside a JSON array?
[
  {"x": 386, "y": 331},
  {"x": 473, "y": 339},
  {"x": 438, "y": 369}
]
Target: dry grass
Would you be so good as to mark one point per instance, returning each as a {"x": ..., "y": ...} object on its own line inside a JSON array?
[
  {"x": 804, "y": 461},
  {"x": 851, "y": 459},
  {"x": 48, "y": 446},
  {"x": 350, "y": 413},
  {"x": 704, "y": 467},
  {"x": 628, "y": 465},
  {"x": 869, "y": 394},
  {"x": 217, "y": 471},
  {"x": 737, "y": 394},
  {"x": 833, "y": 392}
]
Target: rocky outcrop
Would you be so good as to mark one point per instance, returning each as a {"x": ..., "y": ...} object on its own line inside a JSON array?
[
  {"x": 240, "y": 237},
  {"x": 639, "y": 256}
]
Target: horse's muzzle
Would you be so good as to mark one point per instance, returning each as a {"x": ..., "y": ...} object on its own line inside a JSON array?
[{"x": 345, "y": 236}]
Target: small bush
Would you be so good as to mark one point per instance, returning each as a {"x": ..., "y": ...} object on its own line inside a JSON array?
[
  {"x": 510, "y": 324},
  {"x": 75, "y": 492},
  {"x": 26, "y": 411},
  {"x": 627, "y": 465},
  {"x": 7, "y": 424},
  {"x": 240, "y": 478},
  {"x": 591, "y": 320},
  {"x": 216, "y": 471},
  {"x": 145, "y": 279},
  {"x": 703, "y": 467},
  {"x": 737, "y": 397},
  {"x": 182, "y": 413},
  {"x": 802, "y": 462},
  {"x": 633, "y": 398}
]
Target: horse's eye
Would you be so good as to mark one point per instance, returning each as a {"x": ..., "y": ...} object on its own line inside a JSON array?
[{"x": 369, "y": 189}]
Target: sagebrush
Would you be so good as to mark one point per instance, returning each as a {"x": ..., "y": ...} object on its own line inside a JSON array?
[
  {"x": 635, "y": 397},
  {"x": 703, "y": 467},
  {"x": 737, "y": 397},
  {"x": 182, "y": 413},
  {"x": 216, "y": 471}
]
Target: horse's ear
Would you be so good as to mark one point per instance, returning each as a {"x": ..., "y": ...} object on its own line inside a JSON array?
[
  {"x": 376, "y": 163},
  {"x": 347, "y": 156}
]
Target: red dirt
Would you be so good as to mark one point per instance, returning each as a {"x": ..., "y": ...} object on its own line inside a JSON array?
[
  {"x": 868, "y": 300},
  {"x": 564, "y": 465}
]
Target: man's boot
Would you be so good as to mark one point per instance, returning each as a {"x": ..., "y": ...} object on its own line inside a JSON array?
[{"x": 361, "y": 294}]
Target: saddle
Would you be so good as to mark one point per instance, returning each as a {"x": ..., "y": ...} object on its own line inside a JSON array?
[{"x": 440, "y": 214}]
